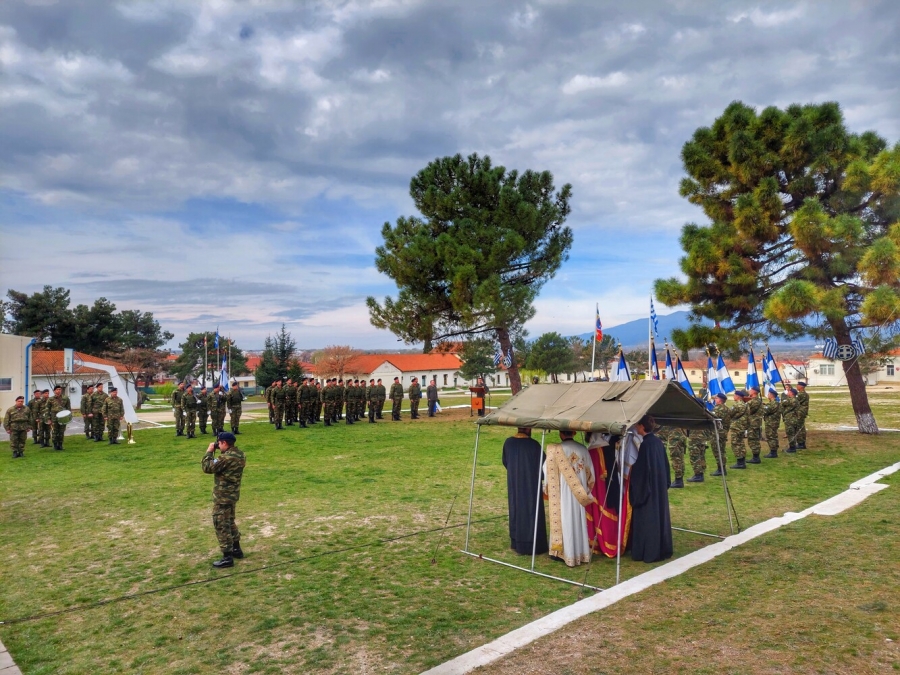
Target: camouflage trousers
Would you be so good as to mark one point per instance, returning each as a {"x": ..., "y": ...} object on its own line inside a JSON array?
[
  {"x": 754, "y": 434},
  {"x": 698, "y": 454},
  {"x": 17, "y": 440},
  {"x": 226, "y": 530},
  {"x": 396, "y": 404},
  {"x": 235, "y": 420},
  {"x": 279, "y": 415},
  {"x": 414, "y": 407},
  {"x": 220, "y": 419},
  {"x": 772, "y": 435},
  {"x": 203, "y": 417},
  {"x": 88, "y": 426},
  {"x": 58, "y": 434},
  {"x": 46, "y": 432},
  {"x": 738, "y": 443},
  {"x": 379, "y": 408},
  {"x": 676, "y": 456},
  {"x": 179, "y": 420},
  {"x": 35, "y": 433},
  {"x": 190, "y": 421},
  {"x": 790, "y": 430},
  {"x": 113, "y": 424},
  {"x": 361, "y": 408},
  {"x": 801, "y": 431}
]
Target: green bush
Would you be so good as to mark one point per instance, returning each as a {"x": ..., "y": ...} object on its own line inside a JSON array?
[{"x": 165, "y": 390}]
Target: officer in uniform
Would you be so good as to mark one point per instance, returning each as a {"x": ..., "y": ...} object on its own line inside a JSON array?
[
  {"x": 223, "y": 406},
  {"x": 380, "y": 397},
  {"x": 46, "y": 420},
  {"x": 341, "y": 400},
  {"x": 34, "y": 406},
  {"x": 721, "y": 412},
  {"x": 415, "y": 396},
  {"x": 17, "y": 421},
  {"x": 772, "y": 419},
  {"x": 178, "y": 408},
  {"x": 86, "y": 410},
  {"x": 740, "y": 423},
  {"x": 349, "y": 401},
  {"x": 755, "y": 422},
  {"x": 396, "y": 399},
  {"x": 234, "y": 400},
  {"x": 114, "y": 412},
  {"x": 58, "y": 403},
  {"x": 278, "y": 404},
  {"x": 790, "y": 416},
  {"x": 97, "y": 401},
  {"x": 189, "y": 406},
  {"x": 372, "y": 400},
  {"x": 212, "y": 403},
  {"x": 676, "y": 442},
  {"x": 228, "y": 469},
  {"x": 802, "y": 414},
  {"x": 290, "y": 403},
  {"x": 697, "y": 441},
  {"x": 268, "y": 397},
  {"x": 303, "y": 401},
  {"x": 203, "y": 409}
]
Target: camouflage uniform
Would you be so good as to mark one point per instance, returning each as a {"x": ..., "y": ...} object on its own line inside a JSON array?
[
  {"x": 17, "y": 422},
  {"x": 234, "y": 400},
  {"x": 380, "y": 398},
  {"x": 396, "y": 400},
  {"x": 739, "y": 424},
  {"x": 319, "y": 400},
  {"x": 212, "y": 403},
  {"x": 178, "y": 410},
  {"x": 189, "y": 404},
  {"x": 86, "y": 411},
  {"x": 202, "y": 410},
  {"x": 304, "y": 397},
  {"x": 789, "y": 415},
  {"x": 278, "y": 406},
  {"x": 57, "y": 405},
  {"x": 697, "y": 441},
  {"x": 220, "y": 411},
  {"x": 415, "y": 396},
  {"x": 802, "y": 414},
  {"x": 46, "y": 420},
  {"x": 290, "y": 404},
  {"x": 772, "y": 418},
  {"x": 341, "y": 400},
  {"x": 97, "y": 401},
  {"x": 676, "y": 442},
  {"x": 228, "y": 469},
  {"x": 268, "y": 397},
  {"x": 754, "y": 426},
  {"x": 113, "y": 411},
  {"x": 34, "y": 405}
]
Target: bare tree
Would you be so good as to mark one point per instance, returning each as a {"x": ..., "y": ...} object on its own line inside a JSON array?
[{"x": 334, "y": 359}]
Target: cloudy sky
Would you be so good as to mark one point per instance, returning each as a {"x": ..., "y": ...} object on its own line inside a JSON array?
[{"x": 231, "y": 163}]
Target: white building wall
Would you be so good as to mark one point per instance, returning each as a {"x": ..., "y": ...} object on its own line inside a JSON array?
[{"x": 12, "y": 369}]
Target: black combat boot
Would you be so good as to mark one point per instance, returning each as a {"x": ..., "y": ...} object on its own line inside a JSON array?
[
  {"x": 801, "y": 446},
  {"x": 677, "y": 483},
  {"x": 791, "y": 448},
  {"x": 226, "y": 561},
  {"x": 754, "y": 460},
  {"x": 773, "y": 454},
  {"x": 303, "y": 424},
  {"x": 327, "y": 422},
  {"x": 348, "y": 420},
  {"x": 740, "y": 464},
  {"x": 696, "y": 478},
  {"x": 236, "y": 551}
]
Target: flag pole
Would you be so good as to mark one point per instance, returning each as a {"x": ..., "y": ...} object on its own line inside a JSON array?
[
  {"x": 594, "y": 346},
  {"x": 205, "y": 358},
  {"x": 650, "y": 342}
]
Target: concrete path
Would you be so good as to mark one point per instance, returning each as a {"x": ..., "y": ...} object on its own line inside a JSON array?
[{"x": 7, "y": 665}]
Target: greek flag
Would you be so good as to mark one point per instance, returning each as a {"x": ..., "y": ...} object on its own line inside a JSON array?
[
  {"x": 771, "y": 368},
  {"x": 622, "y": 373},
  {"x": 507, "y": 360},
  {"x": 670, "y": 370},
  {"x": 724, "y": 378},
  {"x": 654, "y": 368},
  {"x": 223, "y": 375},
  {"x": 654, "y": 319},
  {"x": 752, "y": 377},
  {"x": 217, "y": 337},
  {"x": 830, "y": 349},
  {"x": 713, "y": 387},
  {"x": 498, "y": 357},
  {"x": 682, "y": 377},
  {"x": 859, "y": 347}
]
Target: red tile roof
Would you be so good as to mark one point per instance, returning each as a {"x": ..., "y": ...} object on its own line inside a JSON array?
[
  {"x": 405, "y": 363},
  {"x": 51, "y": 362}
]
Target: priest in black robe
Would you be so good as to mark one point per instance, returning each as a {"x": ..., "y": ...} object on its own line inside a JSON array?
[
  {"x": 650, "y": 479},
  {"x": 523, "y": 459}
]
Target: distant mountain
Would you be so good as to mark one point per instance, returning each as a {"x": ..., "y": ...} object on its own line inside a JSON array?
[{"x": 634, "y": 334}]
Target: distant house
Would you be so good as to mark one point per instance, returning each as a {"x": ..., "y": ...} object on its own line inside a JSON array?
[
  {"x": 442, "y": 367},
  {"x": 49, "y": 369},
  {"x": 825, "y": 372}
]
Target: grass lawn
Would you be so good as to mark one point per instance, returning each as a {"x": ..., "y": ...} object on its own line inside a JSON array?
[{"x": 344, "y": 573}]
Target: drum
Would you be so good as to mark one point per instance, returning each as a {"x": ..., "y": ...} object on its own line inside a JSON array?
[{"x": 63, "y": 417}]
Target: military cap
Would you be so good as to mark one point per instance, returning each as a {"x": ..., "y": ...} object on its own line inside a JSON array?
[
  {"x": 741, "y": 392},
  {"x": 379, "y": 379},
  {"x": 722, "y": 397},
  {"x": 396, "y": 379},
  {"x": 59, "y": 386},
  {"x": 46, "y": 391},
  {"x": 801, "y": 384},
  {"x": 756, "y": 389},
  {"x": 20, "y": 398},
  {"x": 226, "y": 436},
  {"x": 203, "y": 387},
  {"x": 112, "y": 389}
]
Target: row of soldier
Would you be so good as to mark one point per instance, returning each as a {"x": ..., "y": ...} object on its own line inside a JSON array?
[
  {"x": 309, "y": 400},
  {"x": 744, "y": 421},
  {"x": 101, "y": 411},
  {"x": 204, "y": 406}
]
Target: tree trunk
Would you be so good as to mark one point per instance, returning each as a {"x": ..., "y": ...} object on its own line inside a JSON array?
[
  {"x": 859, "y": 397},
  {"x": 515, "y": 382}
]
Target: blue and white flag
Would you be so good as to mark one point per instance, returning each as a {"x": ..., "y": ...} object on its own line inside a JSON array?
[
  {"x": 654, "y": 319},
  {"x": 859, "y": 347},
  {"x": 682, "y": 377},
  {"x": 752, "y": 377},
  {"x": 622, "y": 372},
  {"x": 670, "y": 370},
  {"x": 654, "y": 368},
  {"x": 713, "y": 388},
  {"x": 223, "y": 375},
  {"x": 830, "y": 349},
  {"x": 507, "y": 360},
  {"x": 724, "y": 378},
  {"x": 771, "y": 368},
  {"x": 217, "y": 337},
  {"x": 498, "y": 357}
]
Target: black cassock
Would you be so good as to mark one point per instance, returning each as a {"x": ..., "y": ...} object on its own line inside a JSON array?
[
  {"x": 523, "y": 459},
  {"x": 649, "y": 492}
]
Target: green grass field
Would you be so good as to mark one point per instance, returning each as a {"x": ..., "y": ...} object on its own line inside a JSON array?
[{"x": 345, "y": 569}]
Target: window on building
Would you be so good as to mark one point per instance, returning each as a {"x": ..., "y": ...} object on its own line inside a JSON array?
[
  {"x": 5, "y": 384},
  {"x": 826, "y": 369},
  {"x": 737, "y": 373},
  {"x": 693, "y": 372},
  {"x": 568, "y": 377},
  {"x": 890, "y": 372},
  {"x": 455, "y": 380}
]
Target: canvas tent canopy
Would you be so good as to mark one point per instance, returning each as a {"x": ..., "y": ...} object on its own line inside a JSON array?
[{"x": 609, "y": 407}]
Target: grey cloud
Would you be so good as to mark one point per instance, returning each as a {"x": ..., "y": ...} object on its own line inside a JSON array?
[{"x": 214, "y": 292}]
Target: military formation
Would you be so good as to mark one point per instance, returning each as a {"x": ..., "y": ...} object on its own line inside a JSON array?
[
  {"x": 199, "y": 407},
  {"x": 748, "y": 421}
]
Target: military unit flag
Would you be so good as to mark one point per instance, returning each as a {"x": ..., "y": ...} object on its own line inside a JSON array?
[
  {"x": 654, "y": 368},
  {"x": 724, "y": 378},
  {"x": 682, "y": 377},
  {"x": 771, "y": 368},
  {"x": 670, "y": 369},
  {"x": 752, "y": 377},
  {"x": 223, "y": 375},
  {"x": 623, "y": 374}
]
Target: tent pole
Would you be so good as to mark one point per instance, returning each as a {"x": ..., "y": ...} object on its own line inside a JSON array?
[
  {"x": 728, "y": 503},
  {"x": 537, "y": 507},
  {"x": 472, "y": 487},
  {"x": 620, "y": 456}
]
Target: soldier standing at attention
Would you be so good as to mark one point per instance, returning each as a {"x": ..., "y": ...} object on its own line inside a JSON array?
[
  {"x": 359, "y": 405},
  {"x": 802, "y": 414},
  {"x": 223, "y": 406},
  {"x": 380, "y": 397},
  {"x": 17, "y": 421},
  {"x": 34, "y": 406},
  {"x": 303, "y": 402},
  {"x": 340, "y": 400},
  {"x": 676, "y": 443},
  {"x": 97, "y": 402},
  {"x": 740, "y": 422},
  {"x": 431, "y": 394},
  {"x": 772, "y": 418},
  {"x": 372, "y": 400},
  {"x": 349, "y": 401},
  {"x": 396, "y": 399},
  {"x": 57, "y": 404},
  {"x": 114, "y": 412},
  {"x": 212, "y": 403},
  {"x": 415, "y": 396},
  {"x": 234, "y": 399},
  {"x": 178, "y": 408},
  {"x": 697, "y": 440},
  {"x": 789, "y": 415},
  {"x": 268, "y": 396},
  {"x": 278, "y": 404},
  {"x": 202, "y": 409},
  {"x": 86, "y": 410},
  {"x": 189, "y": 405},
  {"x": 290, "y": 403},
  {"x": 721, "y": 412},
  {"x": 754, "y": 428},
  {"x": 46, "y": 420},
  {"x": 228, "y": 469}
]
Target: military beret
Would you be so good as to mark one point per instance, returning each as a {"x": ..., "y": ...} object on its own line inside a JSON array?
[
  {"x": 20, "y": 398},
  {"x": 741, "y": 392},
  {"x": 46, "y": 391},
  {"x": 59, "y": 386},
  {"x": 722, "y": 397},
  {"x": 112, "y": 389},
  {"x": 801, "y": 384},
  {"x": 756, "y": 389},
  {"x": 226, "y": 436},
  {"x": 202, "y": 388}
]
